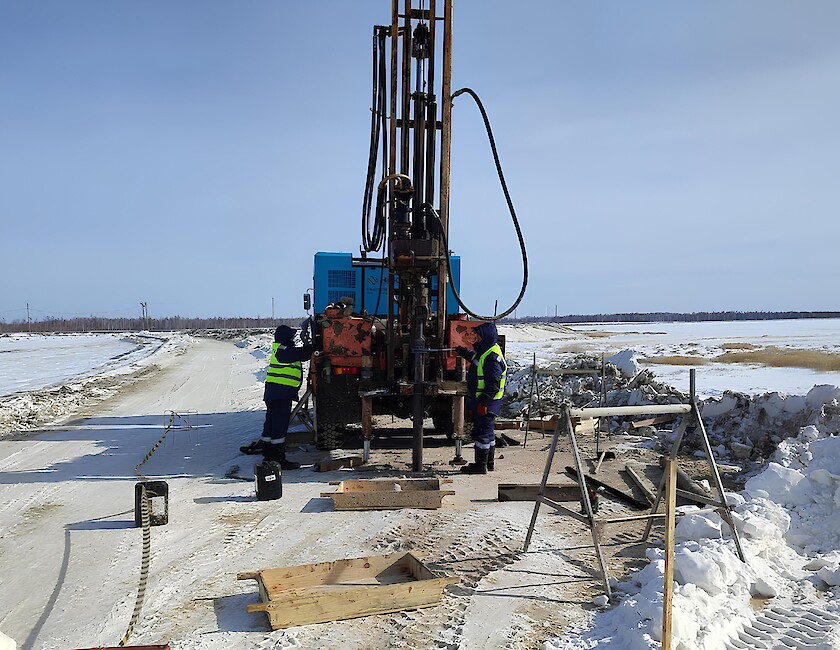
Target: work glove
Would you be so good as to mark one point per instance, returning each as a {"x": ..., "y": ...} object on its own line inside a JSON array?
[
  {"x": 305, "y": 331},
  {"x": 465, "y": 352},
  {"x": 481, "y": 409}
]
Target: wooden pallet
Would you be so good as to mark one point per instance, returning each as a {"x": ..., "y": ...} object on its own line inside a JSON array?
[
  {"x": 333, "y": 591},
  {"x": 388, "y": 494}
]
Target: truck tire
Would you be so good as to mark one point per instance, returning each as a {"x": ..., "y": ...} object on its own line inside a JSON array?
[{"x": 329, "y": 436}]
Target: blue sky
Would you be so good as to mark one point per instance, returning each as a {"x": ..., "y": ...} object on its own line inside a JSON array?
[{"x": 195, "y": 155}]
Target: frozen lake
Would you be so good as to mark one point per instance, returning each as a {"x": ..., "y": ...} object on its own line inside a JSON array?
[
  {"x": 702, "y": 340},
  {"x": 33, "y": 362}
]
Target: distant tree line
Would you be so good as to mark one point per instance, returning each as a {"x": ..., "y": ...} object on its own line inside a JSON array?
[
  {"x": 177, "y": 323},
  {"x": 167, "y": 324},
  {"x": 670, "y": 317}
]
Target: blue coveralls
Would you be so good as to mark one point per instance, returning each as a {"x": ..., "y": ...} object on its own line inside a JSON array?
[
  {"x": 278, "y": 398},
  {"x": 483, "y": 432}
]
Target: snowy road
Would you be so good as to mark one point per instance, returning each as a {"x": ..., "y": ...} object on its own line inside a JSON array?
[
  {"x": 70, "y": 551},
  {"x": 69, "y": 548}
]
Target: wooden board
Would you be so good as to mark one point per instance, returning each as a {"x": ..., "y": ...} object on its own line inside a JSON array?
[
  {"x": 529, "y": 491},
  {"x": 388, "y": 494},
  {"x": 332, "y": 591},
  {"x": 338, "y": 463}
]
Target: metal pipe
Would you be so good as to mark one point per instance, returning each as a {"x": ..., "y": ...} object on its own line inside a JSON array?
[
  {"x": 406, "y": 91},
  {"x": 392, "y": 169},
  {"x": 650, "y": 409},
  {"x": 366, "y": 451},
  {"x": 445, "y": 148}
]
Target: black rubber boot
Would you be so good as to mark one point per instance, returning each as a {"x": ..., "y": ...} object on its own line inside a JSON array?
[
  {"x": 266, "y": 449},
  {"x": 480, "y": 464},
  {"x": 253, "y": 449},
  {"x": 491, "y": 462},
  {"x": 281, "y": 458}
]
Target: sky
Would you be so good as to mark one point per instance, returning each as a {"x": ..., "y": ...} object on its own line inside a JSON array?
[{"x": 196, "y": 155}]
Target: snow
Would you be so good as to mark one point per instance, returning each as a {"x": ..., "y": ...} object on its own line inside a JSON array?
[
  {"x": 66, "y": 512},
  {"x": 784, "y": 516},
  {"x": 703, "y": 340},
  {"x": 33, "y": 362}
]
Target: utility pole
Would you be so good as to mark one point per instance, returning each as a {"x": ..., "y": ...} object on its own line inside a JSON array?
[
  {"x": 272, "y": 307},
  {"x": 28, "y": 319}
]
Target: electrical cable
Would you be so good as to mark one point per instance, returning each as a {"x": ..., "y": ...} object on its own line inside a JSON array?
[
  {"x": 489, "y": 130},
  {"x": 145, "y": 518}
]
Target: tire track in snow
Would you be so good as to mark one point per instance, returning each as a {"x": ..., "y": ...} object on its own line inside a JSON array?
[{"x": 466, "y": 545}]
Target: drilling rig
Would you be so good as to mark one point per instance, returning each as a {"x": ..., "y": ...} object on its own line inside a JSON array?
[{"x": 387, "y": 321}]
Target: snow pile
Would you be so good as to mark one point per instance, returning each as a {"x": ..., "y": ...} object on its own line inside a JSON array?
[
  {"x": 622, "y": 383},
  {"x": 752, "y": 427},
  {"x": 787, "y": 520},
  {"x": 626, "y": 362}
]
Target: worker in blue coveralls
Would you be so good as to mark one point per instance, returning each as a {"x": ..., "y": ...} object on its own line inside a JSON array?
[
  {"x": 485, "y": 389},
  {"x": 283, "y": 380}
]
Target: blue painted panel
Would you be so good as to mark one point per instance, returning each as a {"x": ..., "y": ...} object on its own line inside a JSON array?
[{"x": 336, "y": 277}]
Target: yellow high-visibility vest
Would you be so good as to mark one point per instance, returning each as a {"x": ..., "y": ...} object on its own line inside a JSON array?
[
  {"x": 285, "y": 374},
  {"x": 480, "y": 372}
]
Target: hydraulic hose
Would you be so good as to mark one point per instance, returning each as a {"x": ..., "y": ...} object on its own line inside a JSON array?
[
  {"x": 374, "y": 237},
  {"x": 489, "y": 130}
]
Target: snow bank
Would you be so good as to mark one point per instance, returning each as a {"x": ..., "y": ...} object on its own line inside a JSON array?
[
  {"x": 788, "y": 523},
  {"x": 624, "y": 386},
  {"x": 745, "y": 427},
  {"x": 33, "y": 409}
]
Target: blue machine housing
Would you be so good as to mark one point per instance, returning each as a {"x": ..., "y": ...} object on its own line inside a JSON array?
[{"x": 338, "y": 276}]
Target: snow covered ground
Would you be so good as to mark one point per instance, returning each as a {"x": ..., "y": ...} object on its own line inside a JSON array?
[
  {"x": 33, "y": 362},
  {"x": 69, "y": 551},
  {"x": 701, "y": 340}
]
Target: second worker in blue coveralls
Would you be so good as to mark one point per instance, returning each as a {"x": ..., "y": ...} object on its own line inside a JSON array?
[
  {"x": 485, "y": 389},
  {"x": 283, "y": 380}
]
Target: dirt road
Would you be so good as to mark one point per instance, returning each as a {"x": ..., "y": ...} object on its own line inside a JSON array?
[{"x": 70, "y": 551}]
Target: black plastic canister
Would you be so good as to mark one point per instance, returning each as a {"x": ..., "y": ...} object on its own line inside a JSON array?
[{"x": 269, "y": 481}]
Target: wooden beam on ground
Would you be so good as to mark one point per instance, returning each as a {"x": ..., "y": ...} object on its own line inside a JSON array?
[
  {"x": 610, "y": 489},
  {"x": 641, "y": 482},
  {"x": 338, "y": 463},
  {"x": 529, "y": 492}
]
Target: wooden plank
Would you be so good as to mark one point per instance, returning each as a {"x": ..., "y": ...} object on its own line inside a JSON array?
[
  {"x": 641, "y": 482},
  {"x": 610, "y": 489},
  {"x": 529, "y": 492},
  {"x": 390, "y": 500},
  {"x": 649, "y": 422},
  {"x": 364, "y": 601},
  {"x": 670, "y": 518},
  {"x": 541, "y": 424},
  {"x": 388, "y": 494},
  {"x": 311, "y": 575},
  {"x": 337, "y": 463},
  {"x": 367, "y": 418},
  {"x": 328, "y": 591}
]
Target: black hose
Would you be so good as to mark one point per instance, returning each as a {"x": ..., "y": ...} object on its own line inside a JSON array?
[
  {"x": 373, "y": 240},
  {"x": 489, "y": 130}
]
